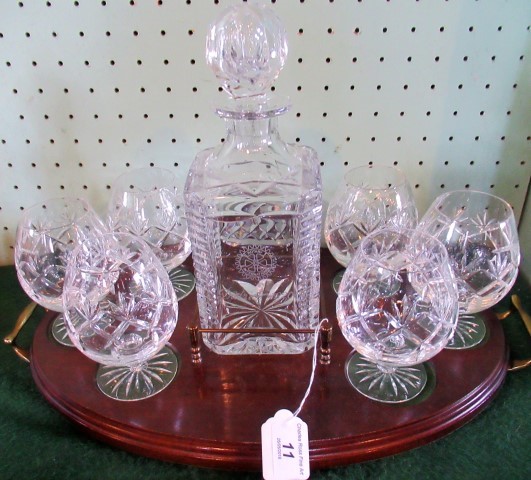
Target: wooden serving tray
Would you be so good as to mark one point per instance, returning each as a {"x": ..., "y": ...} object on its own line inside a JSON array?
[{"x": 212, "y": 413}]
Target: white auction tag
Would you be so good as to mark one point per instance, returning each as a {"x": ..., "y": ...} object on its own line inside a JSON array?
[{"x": 285, "y": 449}]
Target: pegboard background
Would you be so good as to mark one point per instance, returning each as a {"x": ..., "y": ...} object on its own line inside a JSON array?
[{"x": 90, "y": 89}]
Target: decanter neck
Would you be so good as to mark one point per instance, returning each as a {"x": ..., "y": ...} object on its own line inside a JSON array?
[{"x": 258, "y": 133}]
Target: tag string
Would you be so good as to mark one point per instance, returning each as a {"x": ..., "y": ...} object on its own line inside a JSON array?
[{"x": 314, "y": 365}]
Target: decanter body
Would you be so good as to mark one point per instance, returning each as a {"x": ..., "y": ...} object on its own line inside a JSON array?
[
  {"x": 254, "y": 207},
  {"x": 254, "y": 203}
]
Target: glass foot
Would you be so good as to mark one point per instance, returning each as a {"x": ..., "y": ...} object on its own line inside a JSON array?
[
  {"x": 469, "y": 332},
  {"x": 59, "y": 332},
  {"x": 183, "y": 281},
  {"x": 385, "y": 384},
  {"x": 337, "y": 279},
  {"x": 140, "y": 381}
]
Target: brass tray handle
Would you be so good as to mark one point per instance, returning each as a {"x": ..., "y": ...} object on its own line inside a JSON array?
[
  {"x": 517, "y": 364},
  {"x": 11, "y": 338}
]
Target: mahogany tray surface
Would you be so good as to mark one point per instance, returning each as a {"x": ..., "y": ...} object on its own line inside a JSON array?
[{"x": 212, "y": 413}]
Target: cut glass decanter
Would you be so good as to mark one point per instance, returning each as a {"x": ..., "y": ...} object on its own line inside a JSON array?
[{"x": 254, "y": 202}]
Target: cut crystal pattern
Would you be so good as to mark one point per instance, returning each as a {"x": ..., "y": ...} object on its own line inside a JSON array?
[
  {"x": 255, "y": 262},
  {"x": 140, "y": 381},
  {"x": 386, "y": 384},
  {"x": 183, "y": 282},
  {"x": 264, "y": 305}
]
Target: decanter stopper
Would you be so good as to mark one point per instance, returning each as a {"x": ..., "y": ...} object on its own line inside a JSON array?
[{"x": 246, "y": 48}]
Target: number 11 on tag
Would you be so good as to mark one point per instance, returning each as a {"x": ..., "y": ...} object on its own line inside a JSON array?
[{"x": 285, "y": 450}]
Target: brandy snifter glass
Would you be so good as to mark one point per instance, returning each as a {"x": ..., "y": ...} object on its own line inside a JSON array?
[
  {"x": 46, "y": 235},
  {"x": 479, "y": 231},
  {"x": 369, "y": 198},
  {"x": 397, "y": 306},
  {"x": 120, "y": 311},
  {"x": 148, "y": 203}
]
